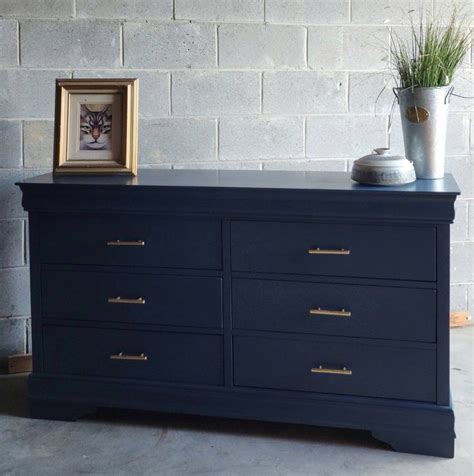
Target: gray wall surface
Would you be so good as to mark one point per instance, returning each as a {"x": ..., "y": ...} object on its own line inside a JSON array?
[{"x": 249, "y": 84}]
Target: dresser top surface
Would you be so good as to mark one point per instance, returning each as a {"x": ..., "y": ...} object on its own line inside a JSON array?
[{"x": 245, "y": 179}]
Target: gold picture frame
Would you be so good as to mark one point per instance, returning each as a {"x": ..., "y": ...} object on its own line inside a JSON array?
[{"x": 96, "y": 126}]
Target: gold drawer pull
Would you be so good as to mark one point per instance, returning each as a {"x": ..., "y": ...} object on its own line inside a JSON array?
[
  {"x": 319, "y": 251},
  {"x": 122, "y": 356},
  {"x": 326, "y": 370},
  {"x": 121, "y": 300},
  {"x": 327, "y": 312},
  {"x": 125, "y": 243}
]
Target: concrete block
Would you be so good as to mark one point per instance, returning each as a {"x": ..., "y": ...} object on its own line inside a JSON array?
[
  {"x": 344, "y": 136},
  {"x": 215, "y": 93},
  {"x": 9, "y": 43},
  {"x": 470, "y": 207},
  {"x": 458, "y": 297},
  {"x": 462, "y": 262},
  {"x": 461, "y": 168},
  {"x": 12, "y": 337},
  {"x": 11, "y": 243},
  {"x": 470, "y": 299},
  {"x": 156, "y": 166},
  {"x": 352, "y": 47},
  {"x": 29, "y": 343},
  {"x": 472, "y": 135},
  {"x": 304, "y": 92},
  {"x": 126, "y": 9},
  {"x": 219, "y": 165},
  {"x": 444, "y": 7},
  {"x": 463, "y": 86},
  {"x": 326, "y": 47},
  {"x": 262, "y": 46},
  {"x": 261, "y": 137},
  {"x": 307, "y": 12},
  {"x": 459, "y": 229},
  {"x": 10, "y": 140},
  {"x": 333, "y": 165},
  {"x": 10, "y": 195},
  {"x": 220, "y": 10},
  {"x": 396, "y": 133},
  {"x": 28, "y": 93},
  {"x": 177, "y": 140},
  {"x": 37, "y": 9},
  {"x": 388, "y": 12},
  {"x": 154, "y": 88},
  {"x": 75, "y": 44},
  {"x": 15, "y": 292},
  {"x": 457, "y": 140},
  {"x": 159, "y": 45},
  {"x": 371, "y": 93},
  {"x": 38, "y": 137}
]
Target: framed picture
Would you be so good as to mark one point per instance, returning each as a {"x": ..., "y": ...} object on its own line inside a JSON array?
[{"x": 96, "y": 126}]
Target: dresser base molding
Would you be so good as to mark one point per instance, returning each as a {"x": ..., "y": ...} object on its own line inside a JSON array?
[
  {"x": 407, "y": 440},
  {"x": 410, "y": 427}
]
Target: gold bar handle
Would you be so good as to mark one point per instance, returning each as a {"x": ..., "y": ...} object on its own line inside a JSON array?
[
  {"x": 326, "y": 370},
  {"x": 135, "y": 358},
  {"x": 328, "y": 312},
  {"x": 121, "y": 300},
  {"x": 125, "y": 243},
  {"x": 319, "y": 251}
]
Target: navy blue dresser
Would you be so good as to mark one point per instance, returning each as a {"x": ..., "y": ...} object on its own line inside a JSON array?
[{"x": 283, "y": 296}]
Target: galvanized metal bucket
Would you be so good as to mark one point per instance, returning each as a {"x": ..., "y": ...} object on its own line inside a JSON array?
[{"x": 424, "y": 113}]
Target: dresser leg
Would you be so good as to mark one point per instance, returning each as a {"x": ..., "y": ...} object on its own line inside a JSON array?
[
  {"x": 51, "y": 410},
  {"x": 409, "y": 441}
]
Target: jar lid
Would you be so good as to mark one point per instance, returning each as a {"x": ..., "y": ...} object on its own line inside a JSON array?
[{"x": 382, "y": 157}]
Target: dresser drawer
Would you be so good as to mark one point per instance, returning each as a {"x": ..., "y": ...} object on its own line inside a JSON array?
[
  {"x": 130, "y": 240},
  {"x": 346, "y": 369},
  {"x": 335, "y": 309},
  {"x": 167, "y": 357},
  {"x": 370, "y": 251},
  {"x": 133, "y": 298}
]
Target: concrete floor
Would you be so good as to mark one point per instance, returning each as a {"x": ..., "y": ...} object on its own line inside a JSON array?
[{"x": 130, "y": 443}]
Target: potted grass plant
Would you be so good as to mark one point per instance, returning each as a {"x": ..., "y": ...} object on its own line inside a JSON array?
[{"x": 425, "y": 66}]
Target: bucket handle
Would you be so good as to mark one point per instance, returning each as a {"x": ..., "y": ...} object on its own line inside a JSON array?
[
  {"x": 395, "y": 92},
  {"x": 448, "y": 95}
]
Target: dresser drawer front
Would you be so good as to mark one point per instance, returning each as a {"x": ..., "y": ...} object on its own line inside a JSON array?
[
  {"x": 170, "y": 357},
  {"x": 377, "y": 371},
  {"x": 335, "y": 309},
  {"x": 370, "y": 251},
  {"x": 129, "y": 240},
  {"x": 193, "y": 301}
]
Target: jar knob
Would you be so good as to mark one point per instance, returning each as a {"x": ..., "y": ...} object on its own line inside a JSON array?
[{"x": 382, "y": 151}]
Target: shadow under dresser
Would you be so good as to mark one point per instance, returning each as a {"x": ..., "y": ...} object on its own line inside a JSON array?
[{"x": 282, "y": 296}]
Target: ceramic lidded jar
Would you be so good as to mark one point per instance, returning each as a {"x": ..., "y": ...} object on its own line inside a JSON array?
[{"x": 383, "y": 168}]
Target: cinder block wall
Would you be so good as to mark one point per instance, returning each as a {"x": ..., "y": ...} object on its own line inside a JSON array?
[{"x": 249, "y": 84}]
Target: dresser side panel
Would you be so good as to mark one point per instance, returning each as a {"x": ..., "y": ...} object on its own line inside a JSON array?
[
  {"x": 442, "y": 317},
  {"x": 35, "y": 290}
]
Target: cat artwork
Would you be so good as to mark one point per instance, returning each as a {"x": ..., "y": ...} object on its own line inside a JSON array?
[{"x": 96, "y": 127}]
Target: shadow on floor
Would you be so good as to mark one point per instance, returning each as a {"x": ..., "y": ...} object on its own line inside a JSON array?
[
  {"x": 286, "y": 431},
  {"x": 13, "y": 402}
]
